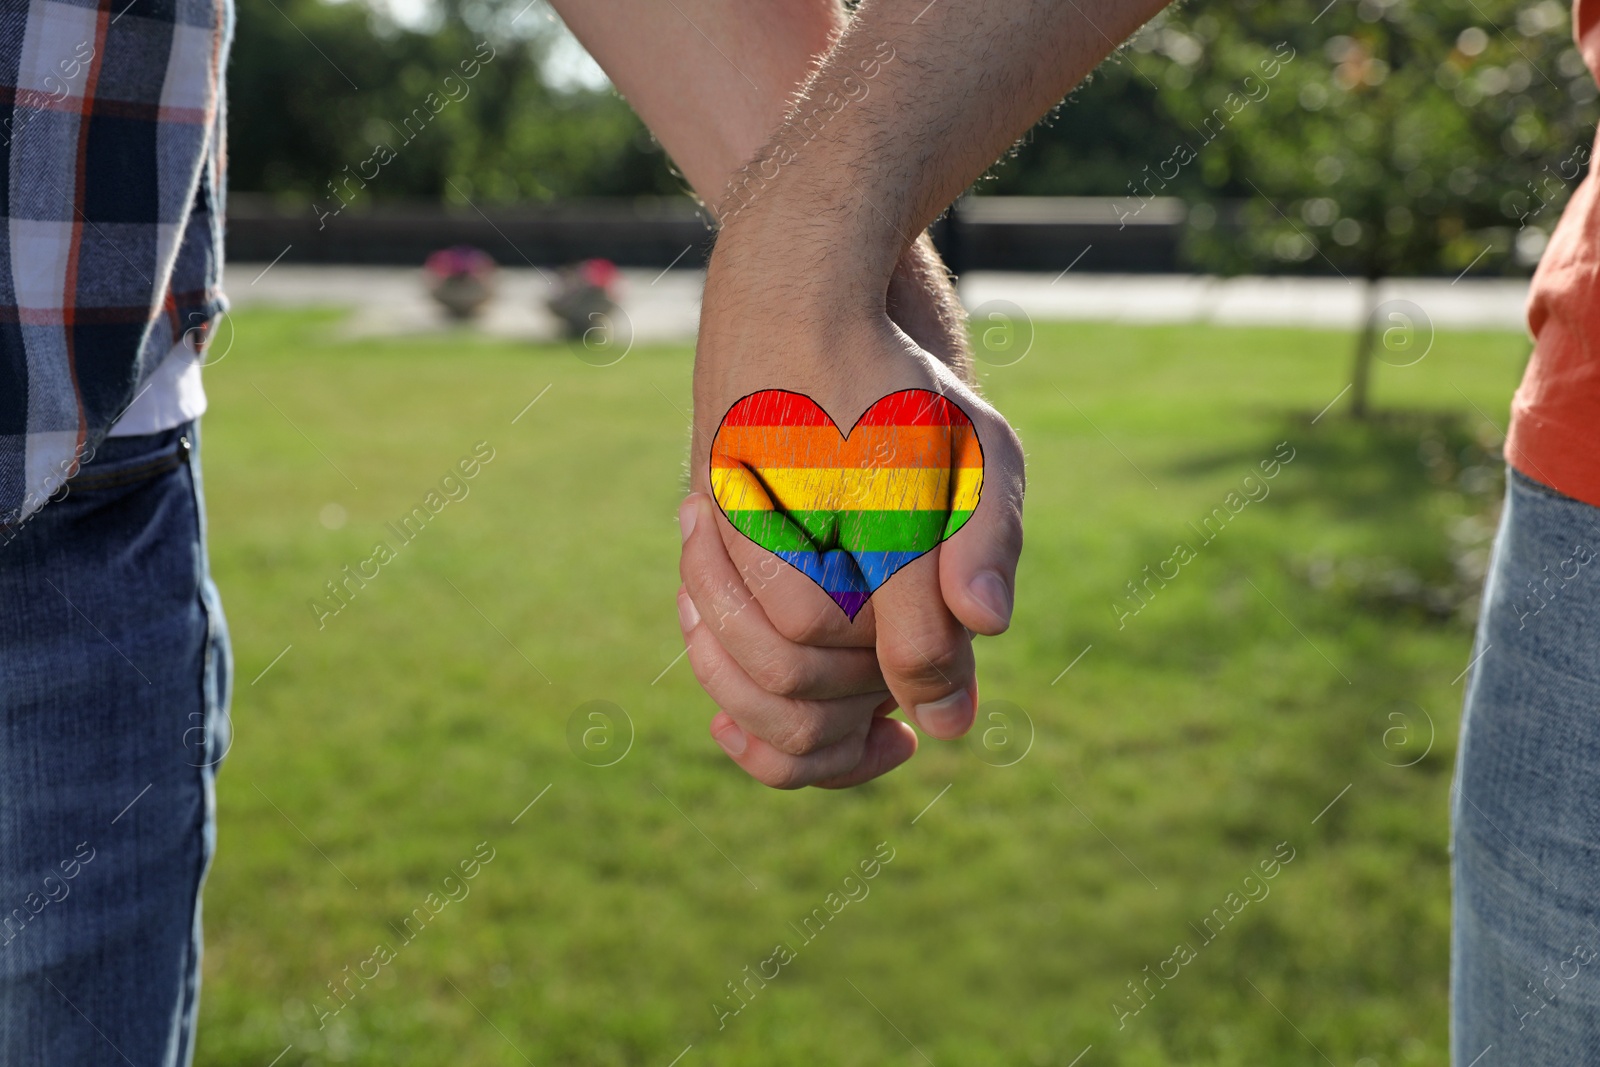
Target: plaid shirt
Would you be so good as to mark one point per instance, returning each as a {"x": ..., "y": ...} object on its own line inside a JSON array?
[{"x": 111, "y": 141}]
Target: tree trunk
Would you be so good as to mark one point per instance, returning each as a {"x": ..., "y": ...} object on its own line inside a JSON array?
[
  {"x": 1361, "y": 369},
  {"x": 1378, "y": 265}
]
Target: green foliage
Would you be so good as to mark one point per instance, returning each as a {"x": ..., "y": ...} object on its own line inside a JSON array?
[
  {"x": 1393, "y": 136},
  {"x": 1196, "y": 738},
  {"x": 1403, "y": 137},
  {"x": 1095, "y": 142},
  {"x": 500, "y": 136}
]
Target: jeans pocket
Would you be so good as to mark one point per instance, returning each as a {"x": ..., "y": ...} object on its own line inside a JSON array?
[{"x": 124, "y": 467}]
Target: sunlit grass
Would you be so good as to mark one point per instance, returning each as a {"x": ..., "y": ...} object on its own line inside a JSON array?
[{"x": 1178, "y": 753}]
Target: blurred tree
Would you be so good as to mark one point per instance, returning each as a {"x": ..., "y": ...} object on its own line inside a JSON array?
[
  {"x": 1363, "y": 137},
  {"x": 1396, "y": 136},
  {"x": 1094, "y": 143},
  {"x": 360, "y": 82}
]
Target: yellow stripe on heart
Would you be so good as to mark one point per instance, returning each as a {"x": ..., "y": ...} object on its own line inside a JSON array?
[{"x": 847, "y": 489}]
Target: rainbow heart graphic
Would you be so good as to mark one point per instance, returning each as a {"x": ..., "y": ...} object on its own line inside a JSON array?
[{"x": 847, "y": 510}]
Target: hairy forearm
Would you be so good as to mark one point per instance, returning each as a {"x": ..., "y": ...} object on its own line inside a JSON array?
[
  {"x": 711, "y": 79},
  {"x": 915, "y": 102}
]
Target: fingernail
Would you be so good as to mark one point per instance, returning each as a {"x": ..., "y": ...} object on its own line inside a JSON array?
[
  {"x": 946, "y": 718},
  {"x": 688, "y": 512},
  {"x": 990, "y": 590},
  {"x": 688, "y": 614},
  {"x": 731, "y": 738}
]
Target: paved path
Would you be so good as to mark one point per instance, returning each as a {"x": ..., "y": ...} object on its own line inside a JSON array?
[
  {"x": 665, "y": 306},
  {"x": 392, "y": 301},
  {"x": 1321, "y": 302}
]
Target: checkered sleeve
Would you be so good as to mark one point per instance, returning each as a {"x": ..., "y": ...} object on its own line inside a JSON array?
[{"x": 111, "y": 145}]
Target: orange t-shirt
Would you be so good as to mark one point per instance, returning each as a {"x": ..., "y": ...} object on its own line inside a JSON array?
[{"x": 1555, "y": 415}]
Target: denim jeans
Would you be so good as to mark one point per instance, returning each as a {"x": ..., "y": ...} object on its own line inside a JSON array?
[
  {"x": 114, "y": 680},
  {"x": 1525, "y": 971}
]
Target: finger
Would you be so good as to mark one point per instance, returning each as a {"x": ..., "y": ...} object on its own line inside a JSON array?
[
  {"x": 779, "y": 769},
  {"x": 793, "y": 727},
  {"x": 797, "y": 607},
  {"x": 740, "y": 624},
  {"x": 978, "y": 564},
  {"x": 890, "y": 743},
  {"x": 924, "y": 652}
]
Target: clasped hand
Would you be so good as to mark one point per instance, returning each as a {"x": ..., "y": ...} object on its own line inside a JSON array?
[{"x": 804, "y": 693}]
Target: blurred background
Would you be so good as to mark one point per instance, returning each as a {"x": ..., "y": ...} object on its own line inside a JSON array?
[{"x": 1192, "y": 273}]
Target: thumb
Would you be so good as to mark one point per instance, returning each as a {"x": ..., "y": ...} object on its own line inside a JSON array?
[
  {"x": 978, "y": 564},
  {"x": 924, "y": 653}
]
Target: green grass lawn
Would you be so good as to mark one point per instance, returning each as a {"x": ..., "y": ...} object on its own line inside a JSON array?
[{"x": 1185, "y": 747}]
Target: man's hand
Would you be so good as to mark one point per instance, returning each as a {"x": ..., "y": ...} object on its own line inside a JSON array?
[
  {"x": 817, "y": 286},
  {"x": 910, "y": 106},
  {"x": 714, "y": 79},
  {"x": 793, "y": 714},
  {"x": 804, "y": 691}
]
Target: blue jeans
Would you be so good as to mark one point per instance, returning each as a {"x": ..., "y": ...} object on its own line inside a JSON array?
[
  {"x": 114, "y": 679},
  {"x": 1525, "y": 971}
]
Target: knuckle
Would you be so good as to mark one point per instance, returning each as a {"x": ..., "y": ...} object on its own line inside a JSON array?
[
  {"x": 707, "y": 671},
  {"x": 1004, "y": 439},
  {"x": 1013, "y": 442},
  {"x": 780, "y": 675},
  {"x": 936, "y": 658},
  {"x": 803, "y": 626},
  {"x": 692, "y": 568},
  {"x": 786, "y": 774},
  {"x": 801, "y": 735}
]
